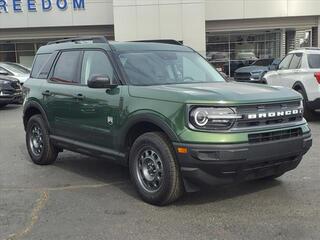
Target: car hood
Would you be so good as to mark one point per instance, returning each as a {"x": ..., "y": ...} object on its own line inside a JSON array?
[
  {"x": 225, "y": 93},
  {"x": 8, "y": 78},
  {"x": 21, "y": 77},
  {"x": 249, "y": 69}
]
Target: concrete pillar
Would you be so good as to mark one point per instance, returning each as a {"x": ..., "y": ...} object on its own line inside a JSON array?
[
  {"x": 283, "y": 43},
  {"x": 182, "y": 20}
]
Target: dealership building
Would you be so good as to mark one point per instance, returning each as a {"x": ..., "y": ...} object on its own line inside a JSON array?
[{"x": 225, "y": 30}]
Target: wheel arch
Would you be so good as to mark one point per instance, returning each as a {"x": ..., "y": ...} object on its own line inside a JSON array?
[
  {"x": 299, "y": 86},
  {"x": 32, "y": 108},
  {"x": 143, "y": 123}
]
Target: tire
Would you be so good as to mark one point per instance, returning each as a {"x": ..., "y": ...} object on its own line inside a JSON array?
[
  {"x": 153, "y": 152},
  {"x": 309, "y": 114},
  {"x": 3, "y": 105},
  {"x": 41, "y": 151},
  {"x": 271, "y": 177}
]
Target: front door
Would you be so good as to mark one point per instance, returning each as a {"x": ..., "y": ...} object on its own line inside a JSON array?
[{"x": 97, "y": 114}]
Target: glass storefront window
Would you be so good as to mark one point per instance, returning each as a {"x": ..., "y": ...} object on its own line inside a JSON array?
[
  {"x": 230, "y": 51},
  {"x": 19, "y": 52}
]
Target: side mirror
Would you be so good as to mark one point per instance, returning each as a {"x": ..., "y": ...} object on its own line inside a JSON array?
[
  {"x": 3, "y": 72},
  {"x": 100, "y": 81},
  {"x": 274, "y": 67}
]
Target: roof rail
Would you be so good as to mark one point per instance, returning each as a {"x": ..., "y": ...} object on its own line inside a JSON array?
[
  {"x": 94, "y": 39},
  {"x": 166, "y": 41},
  {"x": 309, "y": 48}
]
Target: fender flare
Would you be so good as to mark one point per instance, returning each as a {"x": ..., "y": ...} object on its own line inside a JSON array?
[
  {"x": 147, "y": 117},
  {"x": 300, "y": 85},
  {"x": 35, "y": 105}
]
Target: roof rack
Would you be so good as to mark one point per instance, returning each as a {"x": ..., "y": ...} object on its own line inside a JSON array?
[
  {"x": 309, "y": 48},
  {"x": 166, "y": 41},
  {"x": 94, "y": 39}
]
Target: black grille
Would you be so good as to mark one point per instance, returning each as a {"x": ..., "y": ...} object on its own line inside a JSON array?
[
  {"x": 273, "y": 136},
  {"x": 274, "y": 107}
]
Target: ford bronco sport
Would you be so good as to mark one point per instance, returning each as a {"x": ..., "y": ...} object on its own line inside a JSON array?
[{"x": 162, "y": 110}]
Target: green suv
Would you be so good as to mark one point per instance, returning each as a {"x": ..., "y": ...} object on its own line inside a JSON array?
[{"x": 162, "y": 110}]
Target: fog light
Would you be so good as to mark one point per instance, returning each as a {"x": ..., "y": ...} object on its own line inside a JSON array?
[{"x": 182, "y": 150}]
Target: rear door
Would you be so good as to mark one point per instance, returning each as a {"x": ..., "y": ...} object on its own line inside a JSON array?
[{"x": 59, "y": 93}]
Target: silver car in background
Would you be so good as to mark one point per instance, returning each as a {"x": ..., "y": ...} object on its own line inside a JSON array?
[{"x": 15, "y": 71}]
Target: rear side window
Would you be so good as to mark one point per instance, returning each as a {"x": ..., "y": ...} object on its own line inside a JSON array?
[
  {"x": 38, "y": 64},
  {"x": 296, "y": 61},
  {"x": 67, "y": 67},
  {"x": 314, "y": 60}
]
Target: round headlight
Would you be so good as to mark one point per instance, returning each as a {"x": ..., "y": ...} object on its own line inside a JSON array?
[
  {"x": 201, "y": 117},
  {"x": 211, "y": 118}
]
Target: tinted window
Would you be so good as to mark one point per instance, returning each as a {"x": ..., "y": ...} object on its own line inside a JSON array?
[
  {"x": 95, "y": 63},
  {"x": 162, "y": 67},
  {"x": 38, "y": 64},
  {"x": 66, "y": 69},
  {"x": 314, "y": 60},
  {"x": 285, "y": 62},
  {"x": 47, "y": 67},
  {"x": 263, "y": 62},
  {"x": 296, "y": 61}
]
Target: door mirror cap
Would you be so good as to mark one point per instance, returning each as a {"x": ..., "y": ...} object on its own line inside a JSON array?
[
  {"x": 3, "y": 72},
  {"x": 100, "y": 81}
]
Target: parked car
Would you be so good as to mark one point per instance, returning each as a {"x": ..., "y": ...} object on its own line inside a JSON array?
[
  {"x": 14, "y": 70},
  {"x": 255, "y": 72},
  {"x": 218, "y": 59},
  {"x": 300, "y": 70},
  {"x": 10, "y": 91},
  {"x": 163, "y": 111}
]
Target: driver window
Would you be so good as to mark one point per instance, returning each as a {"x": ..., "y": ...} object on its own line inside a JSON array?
[
  {"x": 296, "y": 61},
  {"x": 95, "y": 63},
  {"x": 285, "y": 62}
]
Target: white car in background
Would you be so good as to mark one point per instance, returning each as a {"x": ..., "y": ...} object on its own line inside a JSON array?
[
  {"x": 300, "y": 70},
  {"x": 14, "y": 70}
]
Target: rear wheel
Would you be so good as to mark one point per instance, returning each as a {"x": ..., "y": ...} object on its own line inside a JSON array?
[
  {"x": 154, "y": 169},
  {"x": 41, "y": 151}
]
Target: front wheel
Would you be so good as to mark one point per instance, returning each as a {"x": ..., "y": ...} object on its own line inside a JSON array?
[
  {"x": 40, "y": 149},
  {"x": 3, "y": 105},
  {"x": 154, "y": 169}
]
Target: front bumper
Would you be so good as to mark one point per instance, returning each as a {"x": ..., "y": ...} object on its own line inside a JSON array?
[
  {"x": 12, "y": 97},
  {"x": 211, "y": 164}
]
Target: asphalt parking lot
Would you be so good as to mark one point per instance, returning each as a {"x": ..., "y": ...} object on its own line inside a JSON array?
[{"x": 81, "y": 197}]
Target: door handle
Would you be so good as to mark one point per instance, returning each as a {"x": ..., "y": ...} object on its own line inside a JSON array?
[
  {"x": 79, "y": 96},
  {"x": 47, "y": 93}
]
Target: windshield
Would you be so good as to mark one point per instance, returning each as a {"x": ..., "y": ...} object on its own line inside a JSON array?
[
  {"x": 16, "y": 68},
  {"x": 162, "y": 67}
]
